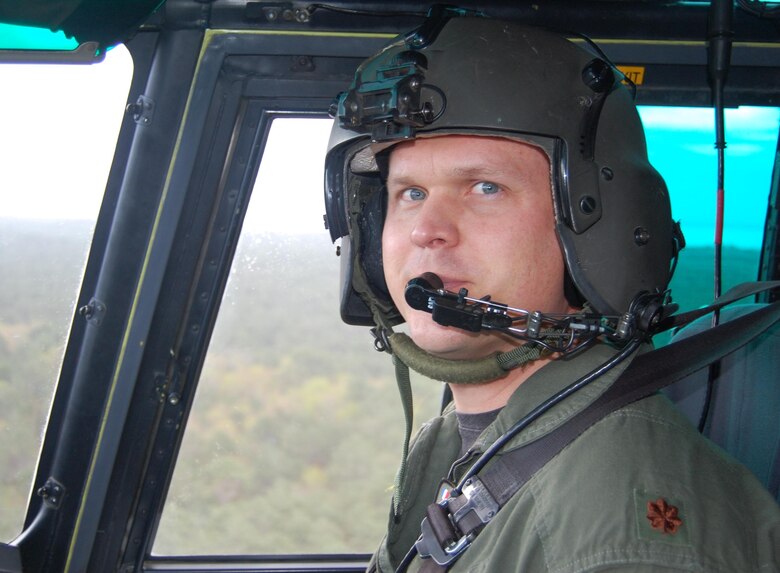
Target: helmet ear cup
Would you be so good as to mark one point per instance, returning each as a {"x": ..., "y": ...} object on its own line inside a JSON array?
[
  {"x": 371, "y": 223},
  {"x": 571, "y": 292}
]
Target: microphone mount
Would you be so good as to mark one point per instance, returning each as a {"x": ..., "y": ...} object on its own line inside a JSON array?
[{"x": 557, "y": 332}]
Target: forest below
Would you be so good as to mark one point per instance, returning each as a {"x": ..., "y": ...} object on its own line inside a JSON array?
[{"x": 296, "y": 430}]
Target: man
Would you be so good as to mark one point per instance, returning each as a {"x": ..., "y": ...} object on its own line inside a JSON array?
[{"x": 479, "y": 158}]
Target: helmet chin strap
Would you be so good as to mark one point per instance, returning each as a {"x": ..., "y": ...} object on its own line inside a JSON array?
[{"x": 475, "y": 371}]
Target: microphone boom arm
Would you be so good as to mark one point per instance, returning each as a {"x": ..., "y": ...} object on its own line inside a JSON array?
[{"x": 557, "y": 332}]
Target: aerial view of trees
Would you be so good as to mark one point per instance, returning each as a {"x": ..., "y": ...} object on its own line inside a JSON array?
[{"x": 296, "y": 430}]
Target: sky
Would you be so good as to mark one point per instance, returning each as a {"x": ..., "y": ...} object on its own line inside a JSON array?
[
  {"x": 60, "y": 123},
  {"x": 682, "y": 147},
  {"x": 59, "y": 131},
  {"x": 59, "y": 126},
  {"x": 288, "y": 193}
]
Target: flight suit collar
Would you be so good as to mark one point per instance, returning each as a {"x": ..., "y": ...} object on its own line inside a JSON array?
[{"x": 540, "y": 386}]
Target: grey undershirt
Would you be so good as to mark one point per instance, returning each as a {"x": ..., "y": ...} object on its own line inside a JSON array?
[{"x": 470, "y": 426}]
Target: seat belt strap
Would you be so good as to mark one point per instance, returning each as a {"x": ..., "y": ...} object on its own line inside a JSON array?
[{"x": 503, "y": 477}]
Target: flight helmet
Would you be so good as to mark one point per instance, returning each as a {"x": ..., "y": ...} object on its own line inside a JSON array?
[{"x": 473, "y": 75}]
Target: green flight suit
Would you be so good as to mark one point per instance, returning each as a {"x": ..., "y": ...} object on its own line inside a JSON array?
[{"x": 640, "y": 490}]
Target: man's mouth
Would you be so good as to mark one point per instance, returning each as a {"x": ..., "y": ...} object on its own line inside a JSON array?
[{"x": 442, "y": 281}]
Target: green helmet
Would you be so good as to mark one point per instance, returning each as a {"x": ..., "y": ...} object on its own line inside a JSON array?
[{"x": 482, "y": 76}]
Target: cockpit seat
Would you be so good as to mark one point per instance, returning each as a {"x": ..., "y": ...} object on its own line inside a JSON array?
[{"x": 744, "y": 416}]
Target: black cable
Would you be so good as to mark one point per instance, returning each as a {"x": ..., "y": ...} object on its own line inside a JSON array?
[
  {"x": 311, "y": 8},
  {"x": 719, "y": 36},
  {"x": 407, "y": 560},
  {"x": 720, "y": 146},
  {"x": 534, "y": 414}
]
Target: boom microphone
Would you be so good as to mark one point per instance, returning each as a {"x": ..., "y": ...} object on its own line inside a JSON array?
[{"x": 557, "y": 332}]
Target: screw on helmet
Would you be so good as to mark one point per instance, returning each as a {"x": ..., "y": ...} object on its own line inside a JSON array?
[{"x": 489, "y": 77}]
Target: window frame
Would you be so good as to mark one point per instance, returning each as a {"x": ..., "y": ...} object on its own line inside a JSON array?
[
  {"x": 221, "y": 141},
  {"x": 79, "y": 443}
]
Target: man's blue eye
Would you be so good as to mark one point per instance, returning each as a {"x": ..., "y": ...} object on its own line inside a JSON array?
[
  {"x": 487, "y": 187},
  {"x": 415, "y": 194}
]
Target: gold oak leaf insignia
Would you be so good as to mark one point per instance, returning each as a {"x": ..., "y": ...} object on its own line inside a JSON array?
[{"x": 663, "y": 517}]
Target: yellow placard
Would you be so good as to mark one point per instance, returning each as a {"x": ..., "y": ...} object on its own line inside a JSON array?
[{"x": 635, "y": 73}]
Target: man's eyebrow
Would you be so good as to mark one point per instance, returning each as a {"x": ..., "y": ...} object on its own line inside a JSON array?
[
  {"x": 460, "y": 172},
  {"x": 469, "y": 171},
  {"x": 400, "y": 180}
]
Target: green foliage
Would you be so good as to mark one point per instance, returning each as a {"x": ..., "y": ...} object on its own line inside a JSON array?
[
  {"x": 296, "y": 432},
  {"x": 40, "y": 270}
]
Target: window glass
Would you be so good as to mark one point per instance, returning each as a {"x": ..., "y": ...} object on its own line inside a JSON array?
[
  {"x": 13, "y": 37},
  {"x": 296, "y": 430},
  {"x": 56, "y": 147},
  {"x": 681, "y": 145}
]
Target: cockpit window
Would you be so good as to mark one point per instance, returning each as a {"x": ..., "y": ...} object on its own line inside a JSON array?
[
  {"x": 681, "y": 145},
  {"x": 14, "y": 37},
  {"x": 689, "y": 133},
  {"x": 60, "y": 125},
  {"x": 296, "y": 429}
]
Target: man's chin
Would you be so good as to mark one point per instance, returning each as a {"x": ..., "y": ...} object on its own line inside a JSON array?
[{"x": 449, "y": 343}]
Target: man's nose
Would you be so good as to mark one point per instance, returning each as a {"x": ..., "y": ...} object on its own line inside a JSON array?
[{"x": 436, "y": 224}]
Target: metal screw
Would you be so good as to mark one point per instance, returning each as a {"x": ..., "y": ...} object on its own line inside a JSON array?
[
  {"x": 302, "y": 15},
  {"x": 588, "y": 205},
  {"x": 607, "y": 173},
  {"x": 641, "y": 236},
  {"x": 598, "y": 76}
]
